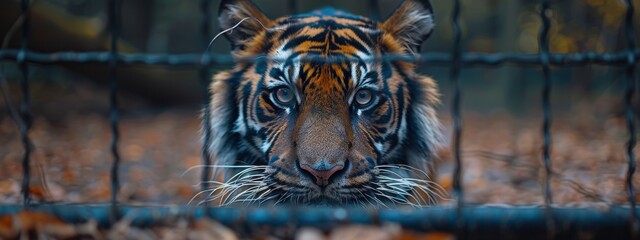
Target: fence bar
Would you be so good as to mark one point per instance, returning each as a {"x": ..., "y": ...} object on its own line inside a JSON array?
[
  {"x": 630, "y": 115},
  {"x": 114, "y": 15},
  {"x": 205, "y": 7},
  {"x": 457, "y": 121},
  {"x": 433, "y": 58},
  {"x": 25, "y": 106},
  {"x": 525, "y": 222},
  {"x": 543, "y": 42}
]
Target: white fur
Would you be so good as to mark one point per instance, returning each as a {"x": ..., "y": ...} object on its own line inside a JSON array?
[
  {"x": 218, "y": 122},
  {"x": 429, "y": 134},
  {"x": 265, "y": 146},
  {"x": 239, "y": 125},
  {"x": 379, "y": 146}
]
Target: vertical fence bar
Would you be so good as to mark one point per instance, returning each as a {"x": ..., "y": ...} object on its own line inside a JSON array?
[
  {"x": 114, "y": 114},
  {"x": 25, "y": 106},
  {"x": 457, "y": 121},
  {"x": 205, "y": 26},
  {"x": 630, "y": 115},
  {"x": 374, "y": 6},
  {"x": 543, "y": 42},
  {"x": 546, "y": 91}
]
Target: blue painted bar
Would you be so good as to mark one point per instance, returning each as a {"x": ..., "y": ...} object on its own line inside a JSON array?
[{"x": 483, "y": 222}]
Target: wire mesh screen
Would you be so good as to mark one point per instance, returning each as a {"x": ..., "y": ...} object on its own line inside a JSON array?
[{"x": 465, "y": 221}]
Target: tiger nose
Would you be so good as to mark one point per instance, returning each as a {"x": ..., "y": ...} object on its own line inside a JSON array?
[{"x": 322, "y": 171}]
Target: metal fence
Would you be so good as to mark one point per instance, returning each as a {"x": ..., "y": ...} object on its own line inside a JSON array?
[{"x": 546, "y": 221}]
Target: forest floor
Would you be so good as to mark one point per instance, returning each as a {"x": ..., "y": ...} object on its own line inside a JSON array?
[{"x": 502, "y": 157}]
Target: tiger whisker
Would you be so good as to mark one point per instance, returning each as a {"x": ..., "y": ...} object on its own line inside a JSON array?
[
  {"x": 438, "y": 191},
  {"x": 223, "y": 186},
  {"x": 374, "y": 198},
  {"x": 267, "y": 199},
  {"x": 229, "y": 193},
  {"x": 435, "y": 191},
  {"x": 245, "y": 179},
  {"x": 263, "y": 195},
  {"x": 243, "y": 172},
  {"x": 231, "y": 186},
  {"x": 249, "y": 201},
  {"x": 406, "y": 168},
  {"x": 408, "y": 188},
  {"x": 282, "y": 197},
  {"x": 378, "y": 192},
  {"x": 406, "y": 191},
  {"x": 249, "y": 186},
  {"x": 427, "y": 182},
  {"x": 394, "y": 198},
  {"x": 430, "y": 192},
  {"x": 198, "y": 194},
  {"x": 251, "y": 192},
  {"x": 241, "y": 194},
  {"x": 400, "y": 191},
  {"x": 365, "y": 198}
]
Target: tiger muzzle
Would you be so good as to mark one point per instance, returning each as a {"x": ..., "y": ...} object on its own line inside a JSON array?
[{"x": 322, "y": 148}]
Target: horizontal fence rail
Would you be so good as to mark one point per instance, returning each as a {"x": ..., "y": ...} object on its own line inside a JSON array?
[
  {"x": 486, "y": 222},
  {"x": 437, "y": 58}
]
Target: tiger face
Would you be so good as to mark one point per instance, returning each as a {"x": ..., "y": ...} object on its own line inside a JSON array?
[{"x": 318, "y": 116}]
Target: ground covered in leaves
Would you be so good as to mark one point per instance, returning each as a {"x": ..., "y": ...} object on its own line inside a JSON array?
[{"x": 160, "y": 151}]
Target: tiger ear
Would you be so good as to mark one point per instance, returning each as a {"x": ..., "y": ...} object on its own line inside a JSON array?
[
  {"x": 411, "y": 23},
  {"x": 232, "y": 12}
]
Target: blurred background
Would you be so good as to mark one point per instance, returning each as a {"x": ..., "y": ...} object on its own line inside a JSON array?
[{"x": 160, "y": 105}]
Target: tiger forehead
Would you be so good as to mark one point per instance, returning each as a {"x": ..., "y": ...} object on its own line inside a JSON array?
[
  {"x": 323, "y": 76},
  {"x": 345, "y": 39},
  {"x": 308, "y": 71},
  {"x": 324, "y": 35}
]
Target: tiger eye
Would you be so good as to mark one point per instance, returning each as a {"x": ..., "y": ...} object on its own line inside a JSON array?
[
  {"x": 284, "y": 95},
  {"x": 363, "y": 97}
]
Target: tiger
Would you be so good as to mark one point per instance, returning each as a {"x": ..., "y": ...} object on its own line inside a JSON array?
[{"x": 313, "y": 114}]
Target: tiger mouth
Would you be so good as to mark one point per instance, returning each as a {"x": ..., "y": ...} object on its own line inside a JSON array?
[
  {"x": 330, "y": 196},
  {"x": 258, "y": 186}
]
